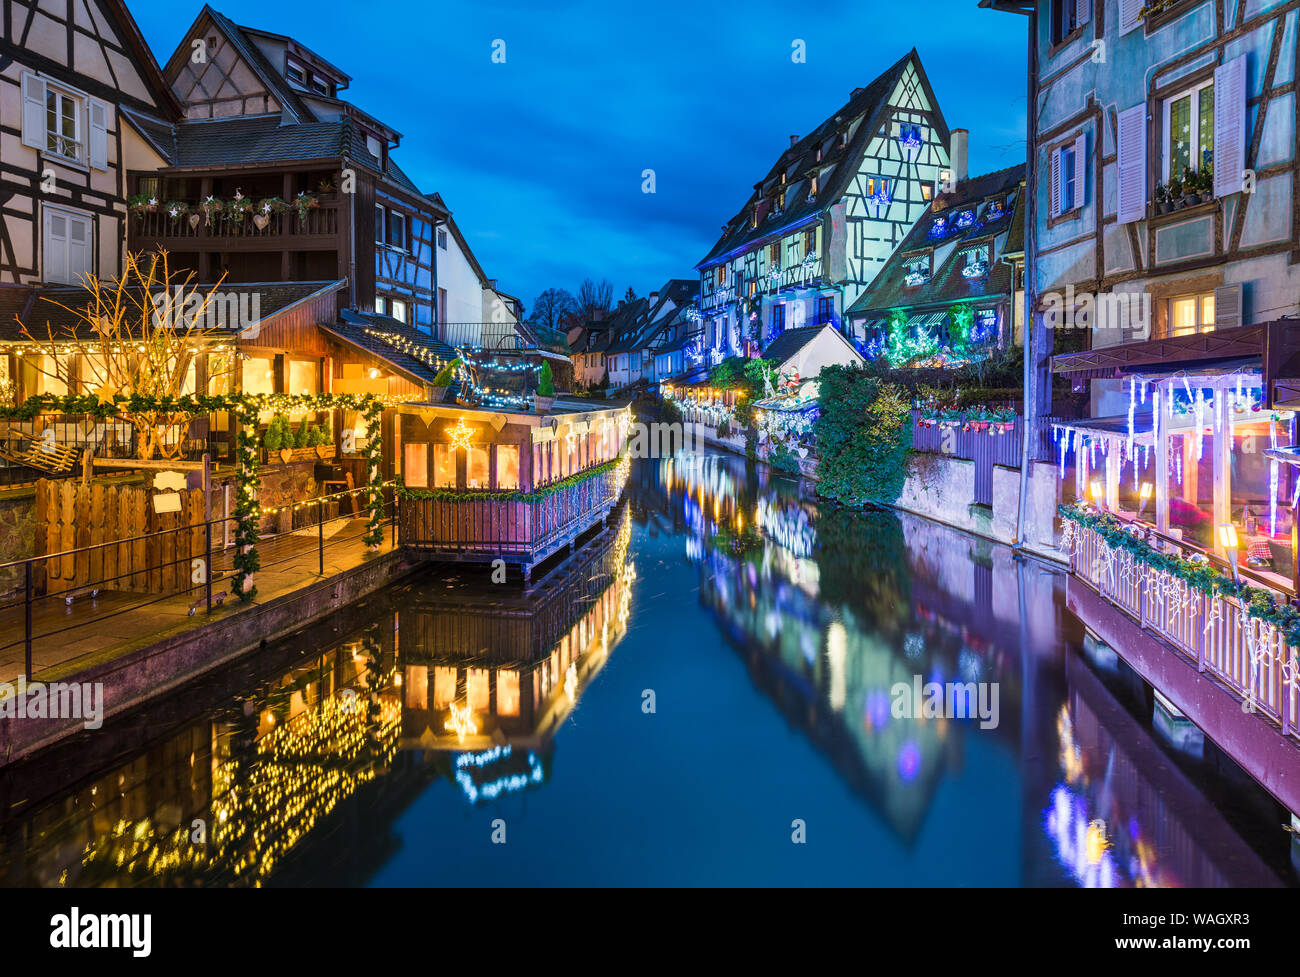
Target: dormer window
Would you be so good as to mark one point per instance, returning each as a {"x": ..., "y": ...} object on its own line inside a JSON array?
[
  {"x": 965, "y": 219},
  {"x": 321, "y": 87},
  {"x": 916, "y": 270},
  {"x": 939, "y": 228},
  {"x": 296, "y": 73}
]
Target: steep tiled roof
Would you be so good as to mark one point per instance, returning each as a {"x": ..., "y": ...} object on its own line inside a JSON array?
[
  {"x": 867, "y": 105},
  {"x": 393, "y": 341},
  {"x": 256, "y": 139},
  {"x": 947, "y": 284}
]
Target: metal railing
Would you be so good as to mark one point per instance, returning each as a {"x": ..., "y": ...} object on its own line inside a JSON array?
[
  {"x": 1248, "y": 656},
  {"x": 481, "y": 335},
  {"x": 113, "y": 568},
  {"x": 322, "y": 220}
]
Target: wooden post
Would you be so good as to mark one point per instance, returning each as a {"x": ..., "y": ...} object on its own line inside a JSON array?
[
  {"x": 1161, "y": 448},
  {"x": 1222, "y": 466}
]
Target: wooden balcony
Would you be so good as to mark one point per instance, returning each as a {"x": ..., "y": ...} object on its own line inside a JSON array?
[
  {"x": 475, "y": 529},
  {"x": 282, "y": 232}
]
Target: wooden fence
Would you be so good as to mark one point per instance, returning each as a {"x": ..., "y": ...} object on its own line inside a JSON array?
[
  {"x": 983, "y": 448},
  {"x": 135, "y": 549}
]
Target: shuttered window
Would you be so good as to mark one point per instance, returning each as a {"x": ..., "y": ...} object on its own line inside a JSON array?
[
  {"x": 1132, "y": 164},
  {"x": 66, "y": 246},
  {"x": 1229, "y": 126},
  {"x": 1188, "y": 131},
  {"x": 1068, "y": 172}
]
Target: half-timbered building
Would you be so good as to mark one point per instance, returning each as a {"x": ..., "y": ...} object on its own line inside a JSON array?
[
  {"x": 82, "y": 102},
  {"x": 821, "y": 223}
]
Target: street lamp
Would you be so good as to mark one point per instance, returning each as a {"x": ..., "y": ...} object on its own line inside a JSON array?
[
  {"x": 1228, "y": 540},
  {"x": 1098, "y": 492}
]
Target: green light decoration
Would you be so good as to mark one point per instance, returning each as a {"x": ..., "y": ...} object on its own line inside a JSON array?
[
  {"x": 247, "y": 409},
  {"x": 908, "y": 345}
]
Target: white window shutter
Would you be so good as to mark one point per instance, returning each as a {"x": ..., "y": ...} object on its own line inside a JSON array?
[
  {"x": 1132, "y": 164},
  {"x": 33, "y": 111},
  {"x": 98, "y": 129},
  {"x": 1082, "y": 12},
  {"x": 1229, "y": 126},
  {"x": 79, "y": 248},
  {"x": 54, "y": 256},
  {"x": 1080, "y": 169},
  {"x": 1055, "y": 208},
  {"x": 1129, "y": 15}
]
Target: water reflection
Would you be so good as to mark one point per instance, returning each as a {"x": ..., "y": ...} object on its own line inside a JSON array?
[{"x": 361, "y": 747}]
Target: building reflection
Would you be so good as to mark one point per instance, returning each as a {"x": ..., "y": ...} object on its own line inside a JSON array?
[
  {"x": 831, "y": 608},
  {"x": 260, "y": 786}
]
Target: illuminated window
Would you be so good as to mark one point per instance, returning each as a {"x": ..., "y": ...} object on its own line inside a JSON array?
[
  {"x": 258, "y": 375},
  {"x": 444, "y": 466},
  {"x": 304, "y": 377},
  {"x": 476, "y": 473},
  {"x": 417, "y": 686},
  {"x": 1191, "y": 313},
  {"x": 415, "y": 465},
  {"x": 477, "y": 689},
  {"x": 507, "y": 693},
  {"x": 444, "y": 685},
  {"x": 507, "y": 466},
  {"x": 1189, "y": 131}
]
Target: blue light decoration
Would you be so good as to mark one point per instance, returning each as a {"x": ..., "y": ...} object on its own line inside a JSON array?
[
  {"x": 909, "y": 136},
  {"x": 939, "y": 228},
  {"x": 993, "y": 212},
  {"x": 965, "y": 219},
  {"x": 506, "y": 784},
  {"x": 986, "y": 325},
  {"x": 976, "y": 269},
  {"x": 914, "y": 277}
]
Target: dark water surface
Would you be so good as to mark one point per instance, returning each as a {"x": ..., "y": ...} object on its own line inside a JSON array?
[{"x": 710, "y": 679}]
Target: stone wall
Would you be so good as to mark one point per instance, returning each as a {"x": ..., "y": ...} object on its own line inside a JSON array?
[{"x": 942, "y": 488}]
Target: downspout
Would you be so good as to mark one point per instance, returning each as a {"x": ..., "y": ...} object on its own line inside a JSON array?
[
  {"x": 352, "y": 243},
  {"x": 433, "y": 330},
  {"x": 1031, "y": 224}
]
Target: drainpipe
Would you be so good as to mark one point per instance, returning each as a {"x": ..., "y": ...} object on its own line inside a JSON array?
[
  {"x": 352, "y": 242},
  {"x": 433, "y": 330},
  {"x": 1031, "y": 236}
]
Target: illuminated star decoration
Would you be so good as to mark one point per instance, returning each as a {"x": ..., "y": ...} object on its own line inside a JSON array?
[
  {"x": 461, "y": 435},
  {"x": 461, "y": 722},
  {"x": 105, "y": 393}
]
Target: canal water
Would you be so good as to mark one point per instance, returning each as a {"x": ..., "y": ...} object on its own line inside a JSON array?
[{"x": 719, "y": 688}]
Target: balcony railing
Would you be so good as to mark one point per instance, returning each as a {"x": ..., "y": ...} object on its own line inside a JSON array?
[
  {"x": 320, "y": 221},
  {"x": 484, "y": 335},
  {"x": 1246, "y": 654}
]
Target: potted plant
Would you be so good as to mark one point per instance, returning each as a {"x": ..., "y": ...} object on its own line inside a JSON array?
[
  {"x": 1175, "y": 190},
  {"x": 323, "y": 439},
  {"x": 1189, "y": 186},
  {"x": 272, "y": 440},
  {"x": 545, "y": 396},
  {"x": 1163, "y": 204},
  {"x": 442, "y": 381}
]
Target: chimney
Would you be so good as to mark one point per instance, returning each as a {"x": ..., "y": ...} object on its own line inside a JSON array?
[
  {"x": 793, "y": 141},
  {"x": 957, "y": 155},
  {"x": 653, "y": 298},
  {"x": 855, "y": 93}
]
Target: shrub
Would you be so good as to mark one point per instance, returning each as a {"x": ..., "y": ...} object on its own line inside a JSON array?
[
  {"x": 446, "y": 374},
  {"x": 273, "y": 439},
  {"x": 300, "y": 439},
  {"x": 863, "y": 437},
  {"x": 546, "y": 381}
]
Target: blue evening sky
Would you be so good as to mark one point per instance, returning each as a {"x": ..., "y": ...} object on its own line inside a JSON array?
[{"x": 540, "y": 158}]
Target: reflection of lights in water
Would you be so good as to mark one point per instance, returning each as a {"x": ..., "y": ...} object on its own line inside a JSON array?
[
  {"x": 1071, "y": 757},
  {"x": 571, "y": 681},
  {"x": 913, "y": 645},
  {"x": 461, "y": 722},
  {"x": 809, "y": 645},
  {"x": 1080, "y": 841},
  {"x": 694, "y": 549},
  {"x": 877, "y": 709},
  {"x": 788, "y": 527},
  {"x": 909, "y": 760},
  {"x": 968, "y": 664},
  {"x": 506, "y": 784},
  {"x": 837, "y": 643}
]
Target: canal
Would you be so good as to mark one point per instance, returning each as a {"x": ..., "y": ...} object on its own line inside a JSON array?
[{"x": 713, "y": 690}]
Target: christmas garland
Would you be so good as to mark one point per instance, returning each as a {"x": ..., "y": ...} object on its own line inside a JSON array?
[
  {"x": 247, "y": 409},
  {"x": 537, "y": 495},
  {"x": 1256, "y": 602}
]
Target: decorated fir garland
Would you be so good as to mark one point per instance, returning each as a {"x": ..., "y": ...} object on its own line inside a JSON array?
[
  {"x": 536, "y": 495},
  {"x": 1256, "y": 602}
]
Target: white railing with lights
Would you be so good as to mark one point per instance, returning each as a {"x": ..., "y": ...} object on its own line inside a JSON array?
[{"x": 1248, "y": 655}]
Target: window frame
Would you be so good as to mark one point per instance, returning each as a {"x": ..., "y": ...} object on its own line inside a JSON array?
[{"x": 1196, "y": 150}]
